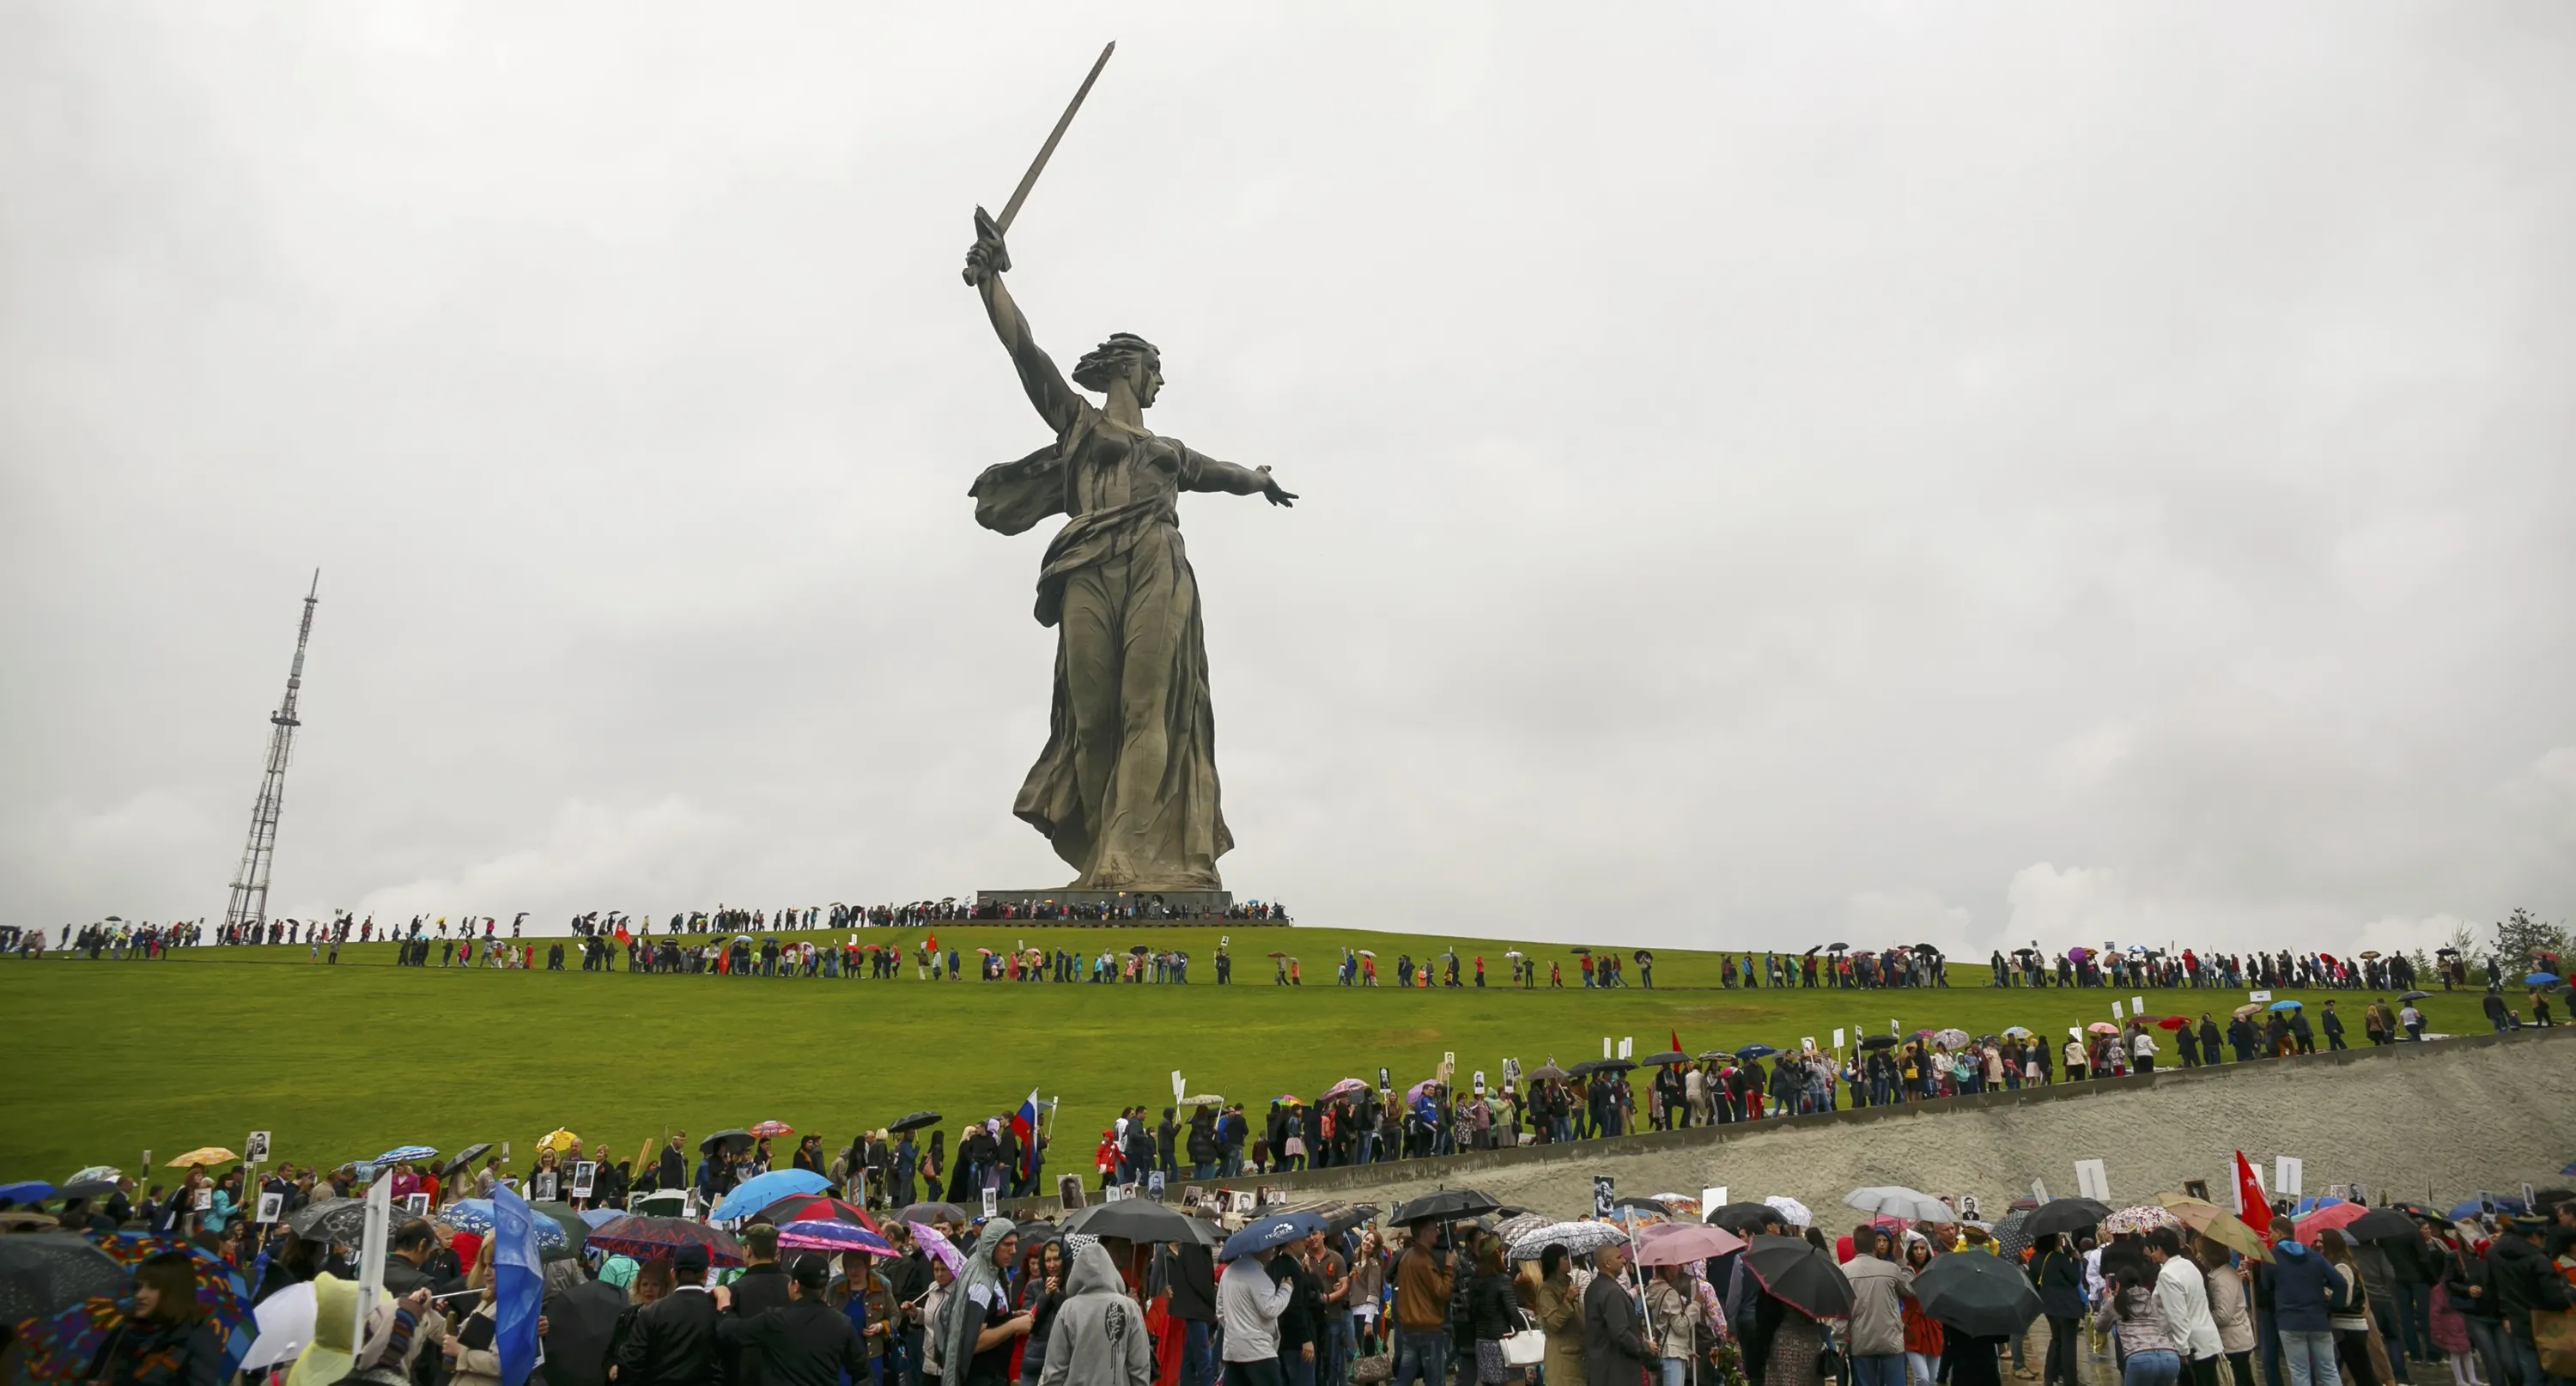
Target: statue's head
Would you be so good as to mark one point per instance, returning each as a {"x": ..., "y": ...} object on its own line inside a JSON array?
[{"x": 1125, "y": 356}]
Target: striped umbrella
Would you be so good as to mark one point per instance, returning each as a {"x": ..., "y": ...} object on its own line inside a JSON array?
[
  {"x": 820, "y": 1235},
  {"x": 401, "y": 1153},
  {"x": 648, "y": 1238}
]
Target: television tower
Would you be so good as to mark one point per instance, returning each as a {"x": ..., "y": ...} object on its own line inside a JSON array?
[{"x": 250, "y": 884}]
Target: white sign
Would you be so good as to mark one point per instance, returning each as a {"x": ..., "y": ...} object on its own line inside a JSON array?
[
  {"x": 1712, "y": 1199},
  {"x": 2092, "y": 1181},
  {"x": 2288, "y": 1175},
  {"x": 992, "y": 1202},
  {"x": 1480, "y": 1082},
  {"x": 255, "y": 1150},
  {"x": 2038, "y": 1191},
  {"x": 1605, "y": 1046},
  {"x": 2258, "y": 996},
  {"x": 2137, "y": 1005},
  {"x": 1891, "y": 1026},
  {"x": 1627, "y": 1047},
  {"x": 1176, "y": 1085},
  {"x": 1838, "y": 1037},
  {"x": 371, "y": 1255},
  {"x": 270, "y": 1205},
  {"x": 2117, "y": 1011},
  {"x": 1808, "y": 1044}
]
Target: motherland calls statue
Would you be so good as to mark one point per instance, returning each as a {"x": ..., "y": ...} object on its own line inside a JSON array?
[{"x": 1126, "y": 789}]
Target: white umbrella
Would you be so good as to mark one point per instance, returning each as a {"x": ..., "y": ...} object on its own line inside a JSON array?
[
  {"x": 1792, "y": 1211},
  {"x": 285, "y": 1322},
  {"x": 1578, "y": 1238},
  {"x": 1897, "y": 1201},
  {"x": 109, "y": 1172}
]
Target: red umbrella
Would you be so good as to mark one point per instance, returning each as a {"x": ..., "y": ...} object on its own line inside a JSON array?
[
  {"x": 2332, "y": 1215},
  {"x": 2171, "y": 1022},
  {"x": 816, "y": 1208},
  {"x": 773, "y": 1129}
]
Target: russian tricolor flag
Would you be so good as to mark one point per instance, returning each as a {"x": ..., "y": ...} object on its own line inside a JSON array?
[{"x": 1024, "y": 1124}]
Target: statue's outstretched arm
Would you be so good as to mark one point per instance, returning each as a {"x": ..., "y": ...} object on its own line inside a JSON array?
[
  {"x": 1055, "y": 400},
  {"x": 1206, "y": 473}
]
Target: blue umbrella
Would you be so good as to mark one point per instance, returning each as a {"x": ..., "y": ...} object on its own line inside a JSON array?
[
  {"x": 2541, "y": 979},
  {"x": 2571, "y": 1168},
  {"x": 1269, "y": 1233},
  {"x": 600, "y": 1217},
  {"x": 401, "y": 1153},
  {"x": 759, "y": 1191},
  {"x": 2285, "y": 1005},
  {"x": 2505, "y": 1203},
  {"x": 1756, "y": 1051},
  {"x": 26, "y": 1191},
  {"x": 475, "y": 1215}
]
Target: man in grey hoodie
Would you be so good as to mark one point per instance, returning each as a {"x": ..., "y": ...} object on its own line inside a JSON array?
[{"x": 1099, "y": 1337}]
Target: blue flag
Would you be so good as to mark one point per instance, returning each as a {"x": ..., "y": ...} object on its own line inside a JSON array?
[{"x": 518, "y": 1286}]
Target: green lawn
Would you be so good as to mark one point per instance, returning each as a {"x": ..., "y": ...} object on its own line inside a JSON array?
[{"x": 341, "y": 1062}]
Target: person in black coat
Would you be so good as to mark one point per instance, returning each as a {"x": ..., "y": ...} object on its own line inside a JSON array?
[
  {"x": 803, "y": 1342},
  {"x": 1615, "y": 1348},
  {"x": 2059, "y": 1273},
  {"x": 763, "y": 1286},
  {"x": 2208, "y": 1039},
  {"x": 673, "y": 1340}
]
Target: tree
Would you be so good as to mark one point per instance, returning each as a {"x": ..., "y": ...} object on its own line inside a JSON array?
[{"x": 2518, "y": 937}]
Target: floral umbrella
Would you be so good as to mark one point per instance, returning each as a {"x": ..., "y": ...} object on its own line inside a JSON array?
[
  {"x": 2143, "y": 1217},
  {"x": 1578, "y": 1239}
]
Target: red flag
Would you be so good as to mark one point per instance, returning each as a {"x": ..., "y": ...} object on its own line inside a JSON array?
[
  {"x": 1677, "y": 1041},
  {"x": 2251, "y": 1206}
]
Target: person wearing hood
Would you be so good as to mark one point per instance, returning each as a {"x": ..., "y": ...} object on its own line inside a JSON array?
[
  {"x": 2523, "y": 1281},
  {"x": 976, "y": 1325},
  {"x": 1099, "y": 1337}
]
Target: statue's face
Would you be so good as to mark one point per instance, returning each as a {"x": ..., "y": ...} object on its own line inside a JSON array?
[{"x": 1145, "y": 376}]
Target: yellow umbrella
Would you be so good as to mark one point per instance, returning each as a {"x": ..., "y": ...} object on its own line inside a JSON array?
[
  {"x": 560, "y": 1141},
  {"x": 2217, "y": 1224},
  {"x": 204, "y": 1155}
]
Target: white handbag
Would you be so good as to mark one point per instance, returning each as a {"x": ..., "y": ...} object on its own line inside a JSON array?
[{"x": 1526, "y": 1348}]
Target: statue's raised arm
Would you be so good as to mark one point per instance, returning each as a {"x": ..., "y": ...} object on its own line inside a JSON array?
[{"x": 1055, "y": 400}]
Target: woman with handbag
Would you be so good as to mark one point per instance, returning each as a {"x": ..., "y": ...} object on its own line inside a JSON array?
[{"x": 1493, "y": 1313}]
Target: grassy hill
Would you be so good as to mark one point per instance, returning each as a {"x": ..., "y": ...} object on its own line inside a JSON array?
[{"x": 340, "y": 1062}]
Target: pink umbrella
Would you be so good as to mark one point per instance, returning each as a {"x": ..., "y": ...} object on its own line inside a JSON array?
[
  {"x": 932, "y": 1241},
  {"x": 1342, "y": 1089},
  {"x": 2332, "y": 1215},
  {"x": 1682, "y": 1243}
]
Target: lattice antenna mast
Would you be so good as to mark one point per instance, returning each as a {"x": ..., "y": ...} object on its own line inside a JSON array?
[{"x": 250, "y": 884}]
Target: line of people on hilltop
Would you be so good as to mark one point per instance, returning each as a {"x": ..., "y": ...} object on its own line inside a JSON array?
[{"x": 110, "y": 940}]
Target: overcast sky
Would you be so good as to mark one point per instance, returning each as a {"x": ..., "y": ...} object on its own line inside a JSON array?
[{"x": 1771, "y": 472}]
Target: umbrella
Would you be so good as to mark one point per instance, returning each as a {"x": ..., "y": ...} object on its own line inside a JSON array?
[
  {"x": 2381, "y": 1225},
  {"x": 1445, "y": 1205},
  {"x": 17, "y": 1220},
  {"x": 1801, "y": 1276},
  {"x": 1278, "y": 955},
  {"x": 2446, "y": 952},
  {"x": 942, "y": 1250},
  {"x": 1982, "y": 1296},
  {"x": 915, "y": 1121},
  {"x": 1897, "y": 1201},
  {"x": 816, "y": 1208},
  {"x": 560, "y": 1141},
  {"x": 1513, "y": 1227},
  {"x": 2017, "y": 1032},
  {"x": 2285, "y": 1005},
  {"x": 1756, "y": 1051},
  {"x": 2012, "y": 1233},
  {"x": 1203, "y": 1099},
  {"x": 576, "y": 1228},
  {"x": 1613, "y": 1065},
  {"x": 596, "y": 1218},
  {"x": 2065, "y": 1215},
  {"x": 1344, "y": 1088},
  {"x": 341, "y": 1220},
  {"x": 1414, "y": 1093},
  {"x": 2172, "y": 1022},
  {"x": 1878, "y": 1042},
  {"x": 1792, "y": 1211},
  {"x": 26, "y": 1191},
  {"x": 824, "y": 1235},
  {"x": 1952, "y": 1037},
  {"x": 2217, "y": 1224},
  {"x": 934, "y": 1212},
  {"x": 1682, "y": 1243},
  {"x": 1549, "y": 1073},
  {"x": 2143, "y": 1217},
  {"x": 285, "y": 1324},
  {"x": 464, "y": 1157},
  {"x": 2541, "y": 979},
  {"x": 2078, "y": 954},
  {"x": 2243, "y": 1012},
  {"x": 1289, "y": 1099},
  {"x": 1337, "y": 1217},
  {"x": 2414, "y": 996},
  {"x": 2333, "y": 1215},
  {"x": 2370, "y": 954},
  {"x": 646, "y": 1238},
  {"x": 1267, "y": 1234},
  {"x": 580, "y": 1319},
  {"x": 772, "y": 1129},
  {"x": 761, "y": 1190},
  {"x": 401, "y": 1153},
  {"x": 1741, "y": 1218},
  {"x": 75, "y": 1334},
  {"x": 203, "y": 1155},
  {"x": 2470, "y": 1207},
  {"x": 44, "y": 1273},
  {"x": 1508, "y": 953},
  {"x": 2103, "y": 1027},
  {"x": 1668, "y": 1058},
  {"x": 734, "y": 1139},
  {"x": 1578, "y": 1239},
  {"x": 1137, "y": 1220},
  {"x": 97, "y": 1172},
  {"x": 475, "y": 1215}
]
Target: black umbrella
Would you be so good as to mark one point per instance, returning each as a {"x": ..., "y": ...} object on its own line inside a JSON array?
[
  {"x": 2381, "y": 1225},
  {"x": 1981, "y": 1296},
  {"x": 464, "y": 1157},
  {"x": 579, "y": 1322},
  {"x": 1741, "y": 1218},
  {"x": 1584, "y": 1069},
  {"x": 2067, "y": 1215},
  {"x": 1927, "y": 950},
  {"x": 915, "y": 1121},
  {"x": 733, "y": 1139},
  {"x": 44, "y": 1273},
  {"x": 1613, "y": 1065},
  {"x": 2415, "y": 996},
  {"x": 2446, "y": 952},
  {"x": 2012, "y": 1233},
  {"x": 1815, "y": 950},
  {"x": 1337, "y": 1217},
  {"x": 1445, "y": 1205},
  {"x": 86, "y": 1188},
  {"x": 342, "y": 1220},
  {"x": 1138, "y": 1220},
  {"x": 1802, "y": 1277},
  {"x": 933, "y": 1212},
  {"x": 1878, "y": 1042},
  {"x": 1837, "y": 947},
  {"x": 1669, "y": 1056},
  {"x": 1727, "y": 1055},
  {"x": 1548, "y": 1073}
]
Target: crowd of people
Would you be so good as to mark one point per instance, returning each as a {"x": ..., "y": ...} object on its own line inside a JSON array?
[{"x": 826, "y": 1285}]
